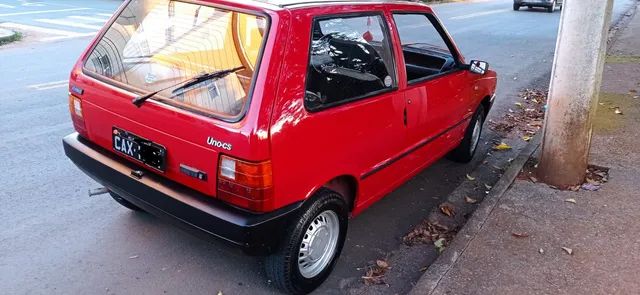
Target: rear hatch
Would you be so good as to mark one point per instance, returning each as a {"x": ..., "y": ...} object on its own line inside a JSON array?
[{"x": 160, "y": 45}]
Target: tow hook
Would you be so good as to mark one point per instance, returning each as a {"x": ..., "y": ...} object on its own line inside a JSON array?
[
  {"x": 98, "y": 191},
  {"x": 137, "y": 174}
]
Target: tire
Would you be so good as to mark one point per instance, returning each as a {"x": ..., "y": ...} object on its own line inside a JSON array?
[
  {"x": 552, "y": 8},
  {"x": 286, "y": 267},
  {"x": 516, "y": 7},
  {"x": 464, "y": 152},
  {"x": 124, "y": 202}
]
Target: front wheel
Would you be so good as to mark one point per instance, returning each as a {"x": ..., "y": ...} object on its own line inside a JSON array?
[
  {"x": 516, "y": 7},
  {"x": 467, "y": 148},
  {"x": 312, "y": 246}
]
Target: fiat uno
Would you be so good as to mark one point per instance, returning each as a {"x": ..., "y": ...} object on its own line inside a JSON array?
[{"x": 269, "y": 123}]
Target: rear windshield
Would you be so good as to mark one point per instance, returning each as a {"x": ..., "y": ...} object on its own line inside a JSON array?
[{"x": 154, "y": 44}]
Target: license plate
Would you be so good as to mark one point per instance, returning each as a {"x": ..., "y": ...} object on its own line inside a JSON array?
[{"x": 139, "y": 149}]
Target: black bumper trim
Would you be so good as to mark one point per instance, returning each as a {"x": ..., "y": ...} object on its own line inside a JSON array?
[{"x": 185, "y": 207}]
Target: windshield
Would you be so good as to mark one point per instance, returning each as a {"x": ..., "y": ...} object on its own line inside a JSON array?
[{"x": 154, "y": 44}]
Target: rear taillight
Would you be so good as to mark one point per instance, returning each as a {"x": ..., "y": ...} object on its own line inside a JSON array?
[
  {"x": 245, "y": 184},
  {"x": 75, "y": 108}
]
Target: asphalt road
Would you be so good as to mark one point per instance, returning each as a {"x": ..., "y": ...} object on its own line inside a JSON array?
[{"x": 55, "y": 239}]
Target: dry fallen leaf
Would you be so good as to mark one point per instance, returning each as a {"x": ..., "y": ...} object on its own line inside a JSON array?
[
  {"x": 427, "y": 233},
  {"x": 502, "y": 147},
  {"x": 375, "y": 273},
  {"x": 590, "y": 186},
  {"x": 440, "y": 244},
  {"x": 471, "y": 178},
  {"x": 618, "y": 111},
  {"x": 568, "y": 250},
  {"x": 526, "y": 138},
  {"x": 487, "y": 186},
  {"x": 381, "y": 263},
  {"x": 573, "y": 201},
  {"x": 518, "y": 104},
  {"x": 447, "y": 209},
  {"x": 520, "y": 235},
  {"x": 470, "y": 200}
]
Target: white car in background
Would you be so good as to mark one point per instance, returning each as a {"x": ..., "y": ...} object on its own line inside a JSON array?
[{"x": 550, "y": 5}]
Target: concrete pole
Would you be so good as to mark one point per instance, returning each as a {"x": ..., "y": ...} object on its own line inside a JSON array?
[{"x": 573, "y": 93}]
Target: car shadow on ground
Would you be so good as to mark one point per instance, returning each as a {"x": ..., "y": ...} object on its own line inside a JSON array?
[{"x": 167, "y": 253}]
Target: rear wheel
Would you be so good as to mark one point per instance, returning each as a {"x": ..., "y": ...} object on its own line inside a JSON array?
[
  {"x": 516, "y": 7},
  {"x": 467, "y": 148},
  {"x": 124, "y": 202},
  {"x": 312, "y": 246}
]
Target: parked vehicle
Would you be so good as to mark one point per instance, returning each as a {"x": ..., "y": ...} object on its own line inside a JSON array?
[
  {"x": 269, "y": 123},
  {"x": 550, "y": 5}
]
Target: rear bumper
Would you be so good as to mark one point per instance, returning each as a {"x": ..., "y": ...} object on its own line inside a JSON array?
[{"x": 187, "y": 208}]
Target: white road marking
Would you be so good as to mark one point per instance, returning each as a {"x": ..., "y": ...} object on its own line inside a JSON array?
[
  {"x": 49, "y": 85},
  {"x": 32, "y": 4},
  {"x": 48, "y": 39},
  {"x": 36, "y": 29},
  {"x": 479, "y": 14},
  {"x": 88, "y": 18},
  {"x": 6, "y": 6},
  {"x": 105, "y": 14},
  {"x": 59, "y": 34},
  {"x": 43, "y": 11},
  {"x": 62, "y": 22}
]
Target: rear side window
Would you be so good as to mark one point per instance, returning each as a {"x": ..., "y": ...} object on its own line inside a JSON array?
[
  {"x": 154, "y": 44},
  {"x": 350, "y": 58}
]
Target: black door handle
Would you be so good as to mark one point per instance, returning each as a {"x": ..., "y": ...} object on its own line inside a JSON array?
[{"x": 405, "y": 116}]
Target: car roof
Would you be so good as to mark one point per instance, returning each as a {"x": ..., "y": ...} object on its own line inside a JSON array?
[{"x": 290, "y": 3}]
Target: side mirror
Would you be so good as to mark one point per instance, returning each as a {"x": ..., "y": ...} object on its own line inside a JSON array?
[{"x": 478, "y": 67}]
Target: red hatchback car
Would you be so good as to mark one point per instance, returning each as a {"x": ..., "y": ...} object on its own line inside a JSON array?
[{"x": 268, "y": 123}]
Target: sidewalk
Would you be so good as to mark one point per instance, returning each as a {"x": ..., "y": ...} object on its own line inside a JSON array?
[{"x": 517, "y": 246}]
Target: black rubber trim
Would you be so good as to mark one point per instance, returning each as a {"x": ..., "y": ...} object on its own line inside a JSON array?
[
  {"x": 424, "y": 142},
  {"x": 185, "y": 207}
]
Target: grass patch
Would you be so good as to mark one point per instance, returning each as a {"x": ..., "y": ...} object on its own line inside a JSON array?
[
  {"x": 607, "y": 119},
  {"x": 622, "y": 59},
  {"x": 16, "y": 37}
]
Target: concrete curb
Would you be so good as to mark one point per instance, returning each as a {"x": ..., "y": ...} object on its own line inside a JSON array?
[
  {"x": 439, "y": 268},
  {"x": 620, "y": 24}
]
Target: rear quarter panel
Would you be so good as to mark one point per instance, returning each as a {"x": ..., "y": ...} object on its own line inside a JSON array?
[{"x": 310, "y": 149}]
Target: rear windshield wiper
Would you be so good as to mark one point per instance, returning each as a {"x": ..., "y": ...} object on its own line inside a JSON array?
[{"x": 139, "y": 100}]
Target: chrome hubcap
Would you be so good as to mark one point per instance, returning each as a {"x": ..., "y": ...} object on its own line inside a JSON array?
[
  {"x": 318, "y": 244},
  {"x": 475, "y": 135}
]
